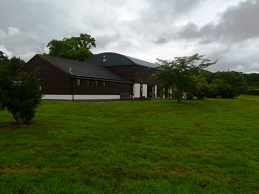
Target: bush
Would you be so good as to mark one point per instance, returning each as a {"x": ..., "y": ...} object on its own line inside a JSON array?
[
  {"x": 254, "y": 92},
  {"x": 189, "y": 96},
  {"x": 5, "y": 83},
  {"x": 228, "y": 85},
  {"x": 21, "y": 96}
]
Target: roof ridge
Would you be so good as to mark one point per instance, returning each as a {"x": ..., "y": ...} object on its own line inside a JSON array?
[{"x": 134, "y": 61}]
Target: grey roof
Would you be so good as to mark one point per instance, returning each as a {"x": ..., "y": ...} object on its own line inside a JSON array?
[
  {"x": 84, "y": 69},
  {"x": 110, "y": 59}
]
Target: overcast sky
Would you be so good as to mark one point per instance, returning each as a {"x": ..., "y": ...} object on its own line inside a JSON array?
[{"x": 227, "y": 30}]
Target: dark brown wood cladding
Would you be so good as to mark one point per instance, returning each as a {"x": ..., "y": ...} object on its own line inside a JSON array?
[
  {"x": 137, "y": 74},
  {"x": 126, "y": 71},
  {"x": 144, "y": 75},
  {"x": 102, "y": 88},
  {"x": 55, "y": 81}
]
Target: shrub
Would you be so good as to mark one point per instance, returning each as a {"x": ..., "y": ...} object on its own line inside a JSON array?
[
  {"x": 254, "y": 92},
  {"x": 228, "y": 85},
  {"x": 21, "y": 96}
]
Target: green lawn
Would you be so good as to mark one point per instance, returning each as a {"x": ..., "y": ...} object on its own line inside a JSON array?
[{"x": 156, "y": 146}]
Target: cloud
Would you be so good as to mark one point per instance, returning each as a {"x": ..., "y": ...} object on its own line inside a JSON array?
[
  {"x": 236, "y": 34},
  {"x": 250, "y": 68},
  {"x": 17, "y": 42},
  {"x": 236, "y": 24},
  {"x": 239, "y": 23},
  {"x": 5, "y": 50},
  {"x": 146, "y": 29}
]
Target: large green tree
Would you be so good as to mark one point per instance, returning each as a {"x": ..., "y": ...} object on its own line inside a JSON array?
[
  {"x": 76, "y": 48},
  {"x": 182, "y": 74}
]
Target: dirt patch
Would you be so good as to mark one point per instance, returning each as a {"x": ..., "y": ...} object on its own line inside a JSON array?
[
  {"x": 197, "y": 124},
  {"x": 178, "y": 170},
  {"x": 20, "y": 168}
]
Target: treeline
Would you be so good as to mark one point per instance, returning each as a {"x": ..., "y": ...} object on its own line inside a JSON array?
[
  {"x": 231, "y": 84},
  {"x": 252, "y": 79},
  {"x": 185, "y": 77}
]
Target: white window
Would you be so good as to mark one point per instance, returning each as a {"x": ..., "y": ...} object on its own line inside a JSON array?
[{"x": 104, "y": 83}]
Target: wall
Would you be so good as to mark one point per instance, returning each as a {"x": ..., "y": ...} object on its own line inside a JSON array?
[
  {"x": 137, "y": 74},
  {"x": 53, "y": 80},
  {"x": 100, "y": 87},
  {"x": 81, "y": 97}
]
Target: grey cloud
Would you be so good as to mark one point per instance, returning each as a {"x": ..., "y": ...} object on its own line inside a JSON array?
[
  {"x": 104, "y": 41},
  {"x": 251, "y": 67},
  {"x": 190, "y": 30},
  {"x": 25, "y": 14},
  {"x": 233, "y": 39},
  {"x": 236, "y": 65},
  {"x": 36, "y": 23},
  {"x": 173, "y": 7},
  {"x": 239, "y": 56},
  {"x": 240, "y": 23},
  {"x": 184, "y": 6},
  {"x": 236, "y": 24},
  {"x": 163, "y": 38},
  {"x": 156, "y": 22},
  {"x": 143, "y": 27}
]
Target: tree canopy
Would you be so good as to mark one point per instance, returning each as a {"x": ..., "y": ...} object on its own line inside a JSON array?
[
  {"x": 252, "y": 79},
  {"x": 11, "y": 65},
  {"x": 182, "y": 74},
  {"x": 76, "y": 48},
  {"x": 228, "y": 84}
]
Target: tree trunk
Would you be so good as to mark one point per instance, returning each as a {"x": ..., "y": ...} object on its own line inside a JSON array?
[{"x": 179, "y": 95}]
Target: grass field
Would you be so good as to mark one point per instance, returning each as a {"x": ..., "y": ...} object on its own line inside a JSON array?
[{"x": 156, "y": 146}]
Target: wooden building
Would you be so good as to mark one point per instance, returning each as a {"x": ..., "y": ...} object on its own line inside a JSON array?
[
  {"x": 139, "y": 72},
  {"x": 103, "y": 76}
]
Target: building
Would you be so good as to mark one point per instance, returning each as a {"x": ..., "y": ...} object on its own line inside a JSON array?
[
  {"x": 139, "y": 72},
  {"x": 104, "y": 76}
]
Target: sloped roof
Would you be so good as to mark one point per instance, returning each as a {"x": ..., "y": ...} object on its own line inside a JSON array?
[
  {"x": 84, "y": 69},
  {"x": 110, "y": 59}
]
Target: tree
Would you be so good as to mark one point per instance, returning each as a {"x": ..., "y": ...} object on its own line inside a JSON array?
[
  {"x": 197, "y": 87},
  {"x": 181, "y": 73},
  {"x": 20, "y": 96},
  {"x": 11, "y": 65},
  {"x": 209, "y": 76},
  {"x": 229, "y": 84},
  {"x": 1, "y": 54},
  {"x": 76, "y": 48},
  {"x": 5, "y": 84},
  {"x": 252, "y": 79}
]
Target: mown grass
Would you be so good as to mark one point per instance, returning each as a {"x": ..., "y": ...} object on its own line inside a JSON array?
[{"x": 156, "y": 146}]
